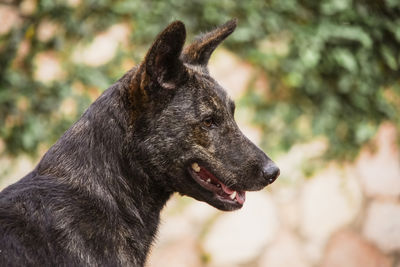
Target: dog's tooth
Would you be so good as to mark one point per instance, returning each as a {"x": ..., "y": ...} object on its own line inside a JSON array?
[
  {"x": 196, "y": 167},
  {"x": 233, "y": 195},
  {"x": 208, "y": 180}
]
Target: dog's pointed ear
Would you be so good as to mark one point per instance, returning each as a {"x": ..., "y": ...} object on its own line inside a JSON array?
[
  {"x": 199, "y": 52},
  {"x": 162, "y": 65}
]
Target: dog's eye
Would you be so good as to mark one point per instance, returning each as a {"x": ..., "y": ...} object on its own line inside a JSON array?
[{"x": 208, "y": 122}]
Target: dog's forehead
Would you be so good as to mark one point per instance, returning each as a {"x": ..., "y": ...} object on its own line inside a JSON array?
[
  {"x": 223, "y": 95},
  {"x": 213, "y": 89}
]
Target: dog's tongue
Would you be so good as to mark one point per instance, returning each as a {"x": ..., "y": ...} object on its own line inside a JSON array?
[
  {"x": 241, "y": 197},
  {"x": 226, "y": 189}
]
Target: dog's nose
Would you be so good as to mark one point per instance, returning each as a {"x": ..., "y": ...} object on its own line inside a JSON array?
[{"x": 270, "y": 172}]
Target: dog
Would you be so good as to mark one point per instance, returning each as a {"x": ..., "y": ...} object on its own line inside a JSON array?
[{"x": 166, "y": 126}]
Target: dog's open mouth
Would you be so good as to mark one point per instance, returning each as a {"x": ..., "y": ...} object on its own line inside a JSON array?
[{"x": 208, "y": 181}]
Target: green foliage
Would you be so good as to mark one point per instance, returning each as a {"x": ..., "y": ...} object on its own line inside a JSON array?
[
  {"x": 341, "y": 73},
  {"x": 333, "y": 65}
]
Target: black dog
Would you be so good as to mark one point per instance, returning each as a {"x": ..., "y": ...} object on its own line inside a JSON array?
[{"x": 166, "y": 126}]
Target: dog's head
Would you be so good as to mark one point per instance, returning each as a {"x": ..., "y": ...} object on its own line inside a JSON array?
[{"x": 184, "y": 123}]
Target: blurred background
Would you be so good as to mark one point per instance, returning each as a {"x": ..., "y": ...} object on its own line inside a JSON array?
[{"x": 316, "y": 85}]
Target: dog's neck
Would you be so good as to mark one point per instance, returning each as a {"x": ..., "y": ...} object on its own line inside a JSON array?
[{"x": 121, "y": 186}]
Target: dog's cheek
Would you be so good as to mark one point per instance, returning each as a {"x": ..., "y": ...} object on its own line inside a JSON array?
[{"x": 201, "y": 137}]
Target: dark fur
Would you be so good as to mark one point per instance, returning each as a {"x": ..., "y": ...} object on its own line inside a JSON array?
[{"x": 95, "y": 197}]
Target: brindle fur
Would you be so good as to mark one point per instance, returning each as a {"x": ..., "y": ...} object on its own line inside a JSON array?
[{"x": 95, "y": 197}]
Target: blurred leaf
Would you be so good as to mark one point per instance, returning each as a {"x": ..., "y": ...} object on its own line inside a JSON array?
[
  {"x": 389, "y": 56},
  {"x": 345, "y": 59}
]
